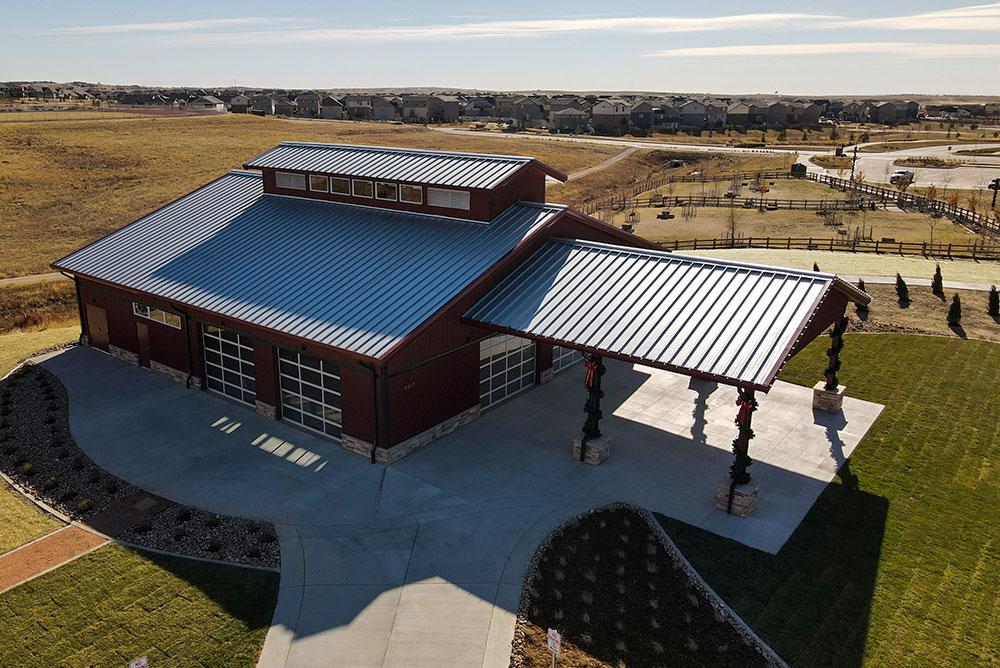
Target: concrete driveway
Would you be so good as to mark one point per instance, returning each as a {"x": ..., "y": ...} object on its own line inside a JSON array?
[{"x": 379, "y": 563}]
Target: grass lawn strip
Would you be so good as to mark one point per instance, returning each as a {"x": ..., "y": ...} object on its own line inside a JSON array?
[
  {"x": 928, "y": 312},
  {"x": 864, "y": 264},
  {"x": 16, "y": 346},
  {"x": 620, "y": 594},
  {"x": 115, "y": 604},
  {"x": 20, "y": 520},
  {"x": 896, "y": 564}
]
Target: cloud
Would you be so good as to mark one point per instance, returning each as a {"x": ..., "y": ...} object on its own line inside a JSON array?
[
  {"x": 908, "y": 49},
  {"x": 972, "y": 17},
  {"x": 164, "y": 26}
]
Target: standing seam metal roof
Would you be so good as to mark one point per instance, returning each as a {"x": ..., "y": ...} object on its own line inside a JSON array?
[
  {"x": 468, "y": 170},
  {"x": 354, "y": 277},
  {"x": 729, "y": 320}
]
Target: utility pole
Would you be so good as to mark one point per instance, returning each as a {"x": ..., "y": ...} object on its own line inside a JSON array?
[
  {"x": 854, "y": 160},
  {"x": 994, "y": 186}
]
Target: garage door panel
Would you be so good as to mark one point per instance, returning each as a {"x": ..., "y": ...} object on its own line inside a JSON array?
[
  {"x": 304, "y": 401},
  {"x": 229, "y": 367},
  {"x": 506, "y": 367}
]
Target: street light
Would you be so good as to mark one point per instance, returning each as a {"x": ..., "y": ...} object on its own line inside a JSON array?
[{"x": 994, "y": 186}]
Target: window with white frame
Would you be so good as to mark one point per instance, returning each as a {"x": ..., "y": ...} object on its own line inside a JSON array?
[
  {"x": 229, "y": 364},
  {"x": 411, "y": 194},
  {"x": 340, "y": 186},
  {"x": 363, "y": 188},
  {"x": 386, "y": 191},
  {"x": 506, "y": 367},
  {"x": 290, "y": 181},
  {"x": 310, "y": 392},
  {"x": 319, "y": 183},
  {"x": 449, "y": 199},
  {"x": 159, "y": 315},
  {"x": 563, "y": 358}
]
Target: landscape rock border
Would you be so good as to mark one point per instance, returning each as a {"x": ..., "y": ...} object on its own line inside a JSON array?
[
  {"x": 38, "y": 454},
  {"x": 519, "y": 642}
]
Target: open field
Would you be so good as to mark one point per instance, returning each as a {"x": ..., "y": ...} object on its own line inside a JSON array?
[
  {"x": 832, "y": 161},
  {"x": 713, "y": 222},
  {"x": 21, "y": 521},
  {"x": 37, "y": 305},
  {"x": 15, "y": 346},
  {"x": 63, "y": 185},
  {"x": 896, "y": 563},
  {"x": 776, "y": 189},
  {"x": 116, "y": 604},
  {"x": 81, "y": 114},
  {"x": 970, "y": 138}
]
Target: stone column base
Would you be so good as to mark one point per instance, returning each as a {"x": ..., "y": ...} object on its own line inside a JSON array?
[
  {"x": 85, "y": 340},
  {"x": 267, "y": 410},
  {"x": 545, "y": 376},
  {"x": 825, "y": 400},
  {"x": 400, "y": 450},
  {"x": 744, "y": 497},
  {"x": 597, "y": 450}
]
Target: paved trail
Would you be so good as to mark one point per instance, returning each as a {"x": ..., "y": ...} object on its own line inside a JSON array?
[{"x": 32, "y": 279}]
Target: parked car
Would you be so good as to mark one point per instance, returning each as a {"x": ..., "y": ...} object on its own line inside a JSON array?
[{"x": 900, "y": 175}]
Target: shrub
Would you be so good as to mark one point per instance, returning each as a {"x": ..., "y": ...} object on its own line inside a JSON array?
[
  {"x": 51, "y": 483},
  {"x": 254, "y": 553},
  {"x": 27, "y": 469},
  {"x": 183, "y": 515},
  {"x": 67, "y": 494},
  {"x": 902, "y": 292},
  {"x": 955, "y": 312},
  {"x": 84, "y": 505},
  {"x": 994, "y": 302},
  {"x": 213, "y": 522},
  {"x": 113, "y": 488},
  {"x": 214, "y": 546},
  {"x": 144, "y": 526},
  {"x": 180, "y": 535},
  {"x": 937, "y": 285},
  {"x": 815, "y": 266},
  {"x": 266, "y": 537}
]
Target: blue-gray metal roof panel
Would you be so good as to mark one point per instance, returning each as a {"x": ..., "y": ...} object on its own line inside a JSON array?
[
  {"x": 728, "y": 320},
  {"x": 354, "y": 277},
  {"x": 466, "y": 170}
]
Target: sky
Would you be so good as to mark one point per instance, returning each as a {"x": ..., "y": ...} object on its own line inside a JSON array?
[{"x": 843, "y": 48}]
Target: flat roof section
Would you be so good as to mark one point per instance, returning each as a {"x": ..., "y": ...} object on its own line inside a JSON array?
[
  {"x": 441, "y": 168},
  {"x": 352, "y": 277},
  {"x": 731, "y": 322}
]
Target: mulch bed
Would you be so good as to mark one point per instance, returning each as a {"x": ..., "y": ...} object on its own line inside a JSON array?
[
  {"x": 37, "y": 452},
  {"x": 621, "y": 595}
]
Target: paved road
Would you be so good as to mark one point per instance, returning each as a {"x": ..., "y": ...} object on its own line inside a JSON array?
[
  {"x": 420, "y": 563},
  {"x": 31, "y": 279}
]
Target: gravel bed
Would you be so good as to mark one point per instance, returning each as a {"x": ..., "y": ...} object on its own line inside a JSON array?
[{"x": 37, "y": 451}]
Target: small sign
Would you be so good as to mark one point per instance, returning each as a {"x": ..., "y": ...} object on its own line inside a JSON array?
[
  {"x": 141, "y": 662},
  {"x": 555, "y": 642}
]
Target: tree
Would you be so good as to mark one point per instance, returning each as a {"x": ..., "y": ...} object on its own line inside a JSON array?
[
  {"x": 955, "y": 312},
  {"x": 834, "y": 133},
  {"x": 993, "y": 305},
  {"x": 861, "y": 284},
  {"x": 937, "y": 284},
  {"x": 902, "y": 292},
  {"x": 783, "y": 135},
  {"x": 902, "y": 183},
  {"x": 862, "y": 308},
  {"x": 762, "y": 188},
  {"x": 732, "y": 219},
  {"x": 815, "y": 266}
]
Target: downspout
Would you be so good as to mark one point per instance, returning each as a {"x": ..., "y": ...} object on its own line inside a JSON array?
[
  {"x": 374, "y": 375},
  {"x": 79, "y": 301},
  {"x": 187, "y": 338},
  {"x": 385, "y": 410}
]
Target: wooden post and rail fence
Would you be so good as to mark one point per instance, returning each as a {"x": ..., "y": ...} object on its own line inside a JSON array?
[{"x": 985, "y": 251}]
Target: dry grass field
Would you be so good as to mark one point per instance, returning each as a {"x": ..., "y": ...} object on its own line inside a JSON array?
[
  {"x": 37, "y": 305},
  {"x": 65, "y": 184},
  {"x": 713, "y": 223}
]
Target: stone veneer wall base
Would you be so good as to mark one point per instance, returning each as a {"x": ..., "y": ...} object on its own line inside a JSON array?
[
  {"x": 124, "y": 355},
  {"x": 400, "y": 450}
]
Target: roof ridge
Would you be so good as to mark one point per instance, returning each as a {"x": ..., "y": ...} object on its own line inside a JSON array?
[{"x": 415, "y": 151}]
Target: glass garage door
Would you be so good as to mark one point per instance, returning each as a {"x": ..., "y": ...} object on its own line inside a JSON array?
[
  {"x": 506, "y": 367},
  {"x": 563, "y": 358},
  {"x": 229, "y": 365},
  {"x": 310, "y": 392}
]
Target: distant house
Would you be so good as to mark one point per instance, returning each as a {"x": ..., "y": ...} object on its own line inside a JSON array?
[
  {"x": 478, "y": 107},
  {"x": 777, "y": 115},
  {"x": 358, "y": 107},
  {"x": 693, "y": 115},
  {"x": 738, "y": 116},
  {"x": 239, "y": 104},
  {"x": 207, "y": 103},
  {"x": 307, "y": 105},
  {"x": 421, "y": 109},
  {"x": 882, "y": 112},
  {"x": 283, "y": 106},
  {"x": 568, "y": 120},
  {"x": 528, "y": 113},
  {"x": 610, "y": 117},
  {"x": 802, "y": 114},
  {"x": 913, "y": 110},
  {"x": 262, "y": 105},
  {"x": 716, "y": 116},
  {"x": 566, "y": 102},
  {"x": 854, "y": 112},
  {"x": 666, "y": 118},
  {"x": 641, "y": 115},
  {"x": 382, "y": 109},
  {"x": 331, "y": 107},
  {"x": 450, "y": 108}
]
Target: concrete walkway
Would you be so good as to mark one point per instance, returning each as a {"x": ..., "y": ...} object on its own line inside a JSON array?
[
  {"x": 45, "y": 554},
  {"x": 420, "y": 563}
]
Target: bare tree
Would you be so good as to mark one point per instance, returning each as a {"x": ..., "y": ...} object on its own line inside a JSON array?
[
  {"x": 732, "y": 219},
  {"x": 762, "y": 188}
]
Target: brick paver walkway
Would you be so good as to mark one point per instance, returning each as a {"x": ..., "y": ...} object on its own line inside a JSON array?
[{"x": 55, "y": 549}]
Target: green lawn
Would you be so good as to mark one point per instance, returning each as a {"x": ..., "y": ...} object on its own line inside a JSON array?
[
  {"x": 115, "y": 604},
  {"x": 898, "y": 561},
  {"x": 16, "y": 346},
  {"x": 20, "y": 521}
]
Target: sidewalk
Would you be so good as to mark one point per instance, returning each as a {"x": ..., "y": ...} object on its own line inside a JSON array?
[{"x": 45, "y": 554}]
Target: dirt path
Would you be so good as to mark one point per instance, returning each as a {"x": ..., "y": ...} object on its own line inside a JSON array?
[
  {"x": 46, "y": 553},
  {"x": 31, "y": 279},
  {"x": 607, "y": 163}
]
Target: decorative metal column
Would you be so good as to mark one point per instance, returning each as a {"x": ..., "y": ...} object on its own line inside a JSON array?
[
  {"x": 741, "y": 444},
  {"x": 592, "y": 407},
  {"x": 836, "y": 345}
]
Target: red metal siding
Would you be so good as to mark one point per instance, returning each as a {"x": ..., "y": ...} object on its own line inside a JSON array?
[
  {"x": 479, "y": 199},
  {"x": 356, "y": 404},
  {"x": 265, "y": 367},
  {"x": 527, "y": 185}
]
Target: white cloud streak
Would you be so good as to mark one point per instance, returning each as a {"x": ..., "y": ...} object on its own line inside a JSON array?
[
  {"x": 907, "y": 49},
  {"x": 972, "y": 17},
  {"x": 165, "y": 26}
]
